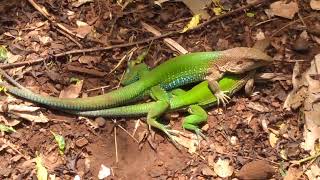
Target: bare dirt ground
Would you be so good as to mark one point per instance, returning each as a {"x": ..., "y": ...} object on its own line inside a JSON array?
[{"x": 252, "y": 138}]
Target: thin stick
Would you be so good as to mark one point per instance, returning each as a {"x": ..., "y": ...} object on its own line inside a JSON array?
[
  {"x": 128, "y": 133},
  {"x": 291, "y": 23},
  {"x": 116, "y": 142},
  {"x": 11, "y": 80},
  {"x": 98, "y": 88}
]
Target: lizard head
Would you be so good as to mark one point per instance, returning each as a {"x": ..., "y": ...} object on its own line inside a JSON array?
[{"x": 241, "y": 59}]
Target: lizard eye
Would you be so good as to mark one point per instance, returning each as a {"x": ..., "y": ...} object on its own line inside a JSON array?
[{"x": 239, "y": 62}]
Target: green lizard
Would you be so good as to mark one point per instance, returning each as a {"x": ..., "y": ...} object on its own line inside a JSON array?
[
  {"x": 194, "y": 100},
  {"x": 178, "y": 71}
]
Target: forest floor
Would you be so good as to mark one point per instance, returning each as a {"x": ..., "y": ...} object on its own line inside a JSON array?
[{"x": 253, "y": 137}]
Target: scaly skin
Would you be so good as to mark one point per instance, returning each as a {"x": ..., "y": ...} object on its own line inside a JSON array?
[
  {"x": 199, "y": 97},
  {"x": 173, "y": 73},
  {"x": 199, "y": 94}
]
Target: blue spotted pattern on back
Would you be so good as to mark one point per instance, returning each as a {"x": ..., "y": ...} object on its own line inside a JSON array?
[{"x": 182, "y": 81}]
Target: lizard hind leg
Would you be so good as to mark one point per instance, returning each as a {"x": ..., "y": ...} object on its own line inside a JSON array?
[
  {"x": 134, "y": 73},
  {"x": 161, "y": 106},
  {"x": 197, "y": 117}
]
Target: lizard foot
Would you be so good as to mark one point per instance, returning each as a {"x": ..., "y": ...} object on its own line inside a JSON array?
[
  {"x": 200, "y": 134},
  {"x": 170, "y": 133},
  {"x": 221, "y": 96},
  {"x": 166, "y": 129}
]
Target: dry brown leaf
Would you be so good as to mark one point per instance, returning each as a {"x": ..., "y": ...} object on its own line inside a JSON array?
[
  {"x": 19, "y": 108},
  {"x": 13, "y": 58},
  {"x": 89, "y": 59},
  {"x": 9, "y": 121},
  {"x": 22, "y": 108},
  {"x": 188, "y": 141},
  {"x": 315, "y": 4},
  {"x": 258, "y": 107},
  {"x": 257, "y": 169},
  {"x": 83, "y": 29},
  {"x": 306, "y": 92},
  {"x": 72, "y": 91},
  {"x": 313, "y": 172},
  {"x": 45, "y": 40},
  {"x": 78, "y": 3},
  {"x": 286, "y": 10},
  {"x": 33, "y": 118},
  {"x": 223, "y": 168},
  {"x": 196, "y": 7},
  {"x": 312, "y": 107},
  {"x": 296, "y": 97},
  {"x": 273, "y": 139},
  {"x": 293, "y": 174}
]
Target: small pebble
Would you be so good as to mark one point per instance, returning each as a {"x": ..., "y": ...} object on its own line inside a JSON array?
[
  {"x": 293, "y": 150},
  {"x": 81, "y": 142},
  {"x": 276, "y": 104},
  {"x": 233, "y": 140},
  {"x": 58, "y": 86},
  {"x": 301, "y": 45},
  {"x": 159, "y": 162},
  {"x": 165, "y": 17},
  {"x": 100, "y": 121},
  {"x": 205, "y": 127}
]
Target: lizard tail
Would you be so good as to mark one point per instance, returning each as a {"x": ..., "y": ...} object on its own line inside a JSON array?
[
  {"x": 111, "y": 99},
  {"x": 123, "y": 111}
]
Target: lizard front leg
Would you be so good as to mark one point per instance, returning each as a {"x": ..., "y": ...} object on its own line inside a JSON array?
[{"x": 214, "y": 87}]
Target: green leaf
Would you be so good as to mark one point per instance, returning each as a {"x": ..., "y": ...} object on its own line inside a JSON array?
[
  {"x": 3, "y": 53},
  {"x": 61, "y": 142},
  {"x": 193, "y": 23},
  {"x": 4, "y": 128},
  {"x": 250, "y": 14},
  {"x": 42, "y": 173}
]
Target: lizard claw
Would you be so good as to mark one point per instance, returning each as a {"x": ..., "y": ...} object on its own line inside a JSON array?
[
  {"x": 221, "y": 96},
  {"x": 199, "y": 136},
  {"x": 170, "y": 133}
]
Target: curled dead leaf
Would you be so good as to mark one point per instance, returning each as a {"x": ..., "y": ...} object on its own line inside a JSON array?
[
  {"x": 273, "y": 139},
  {"x": 223, "y": 168},
  {"x": 315, "y": 4},
  {"x": 283, "y": 9},
  {"x": 72, "y": 91}
]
